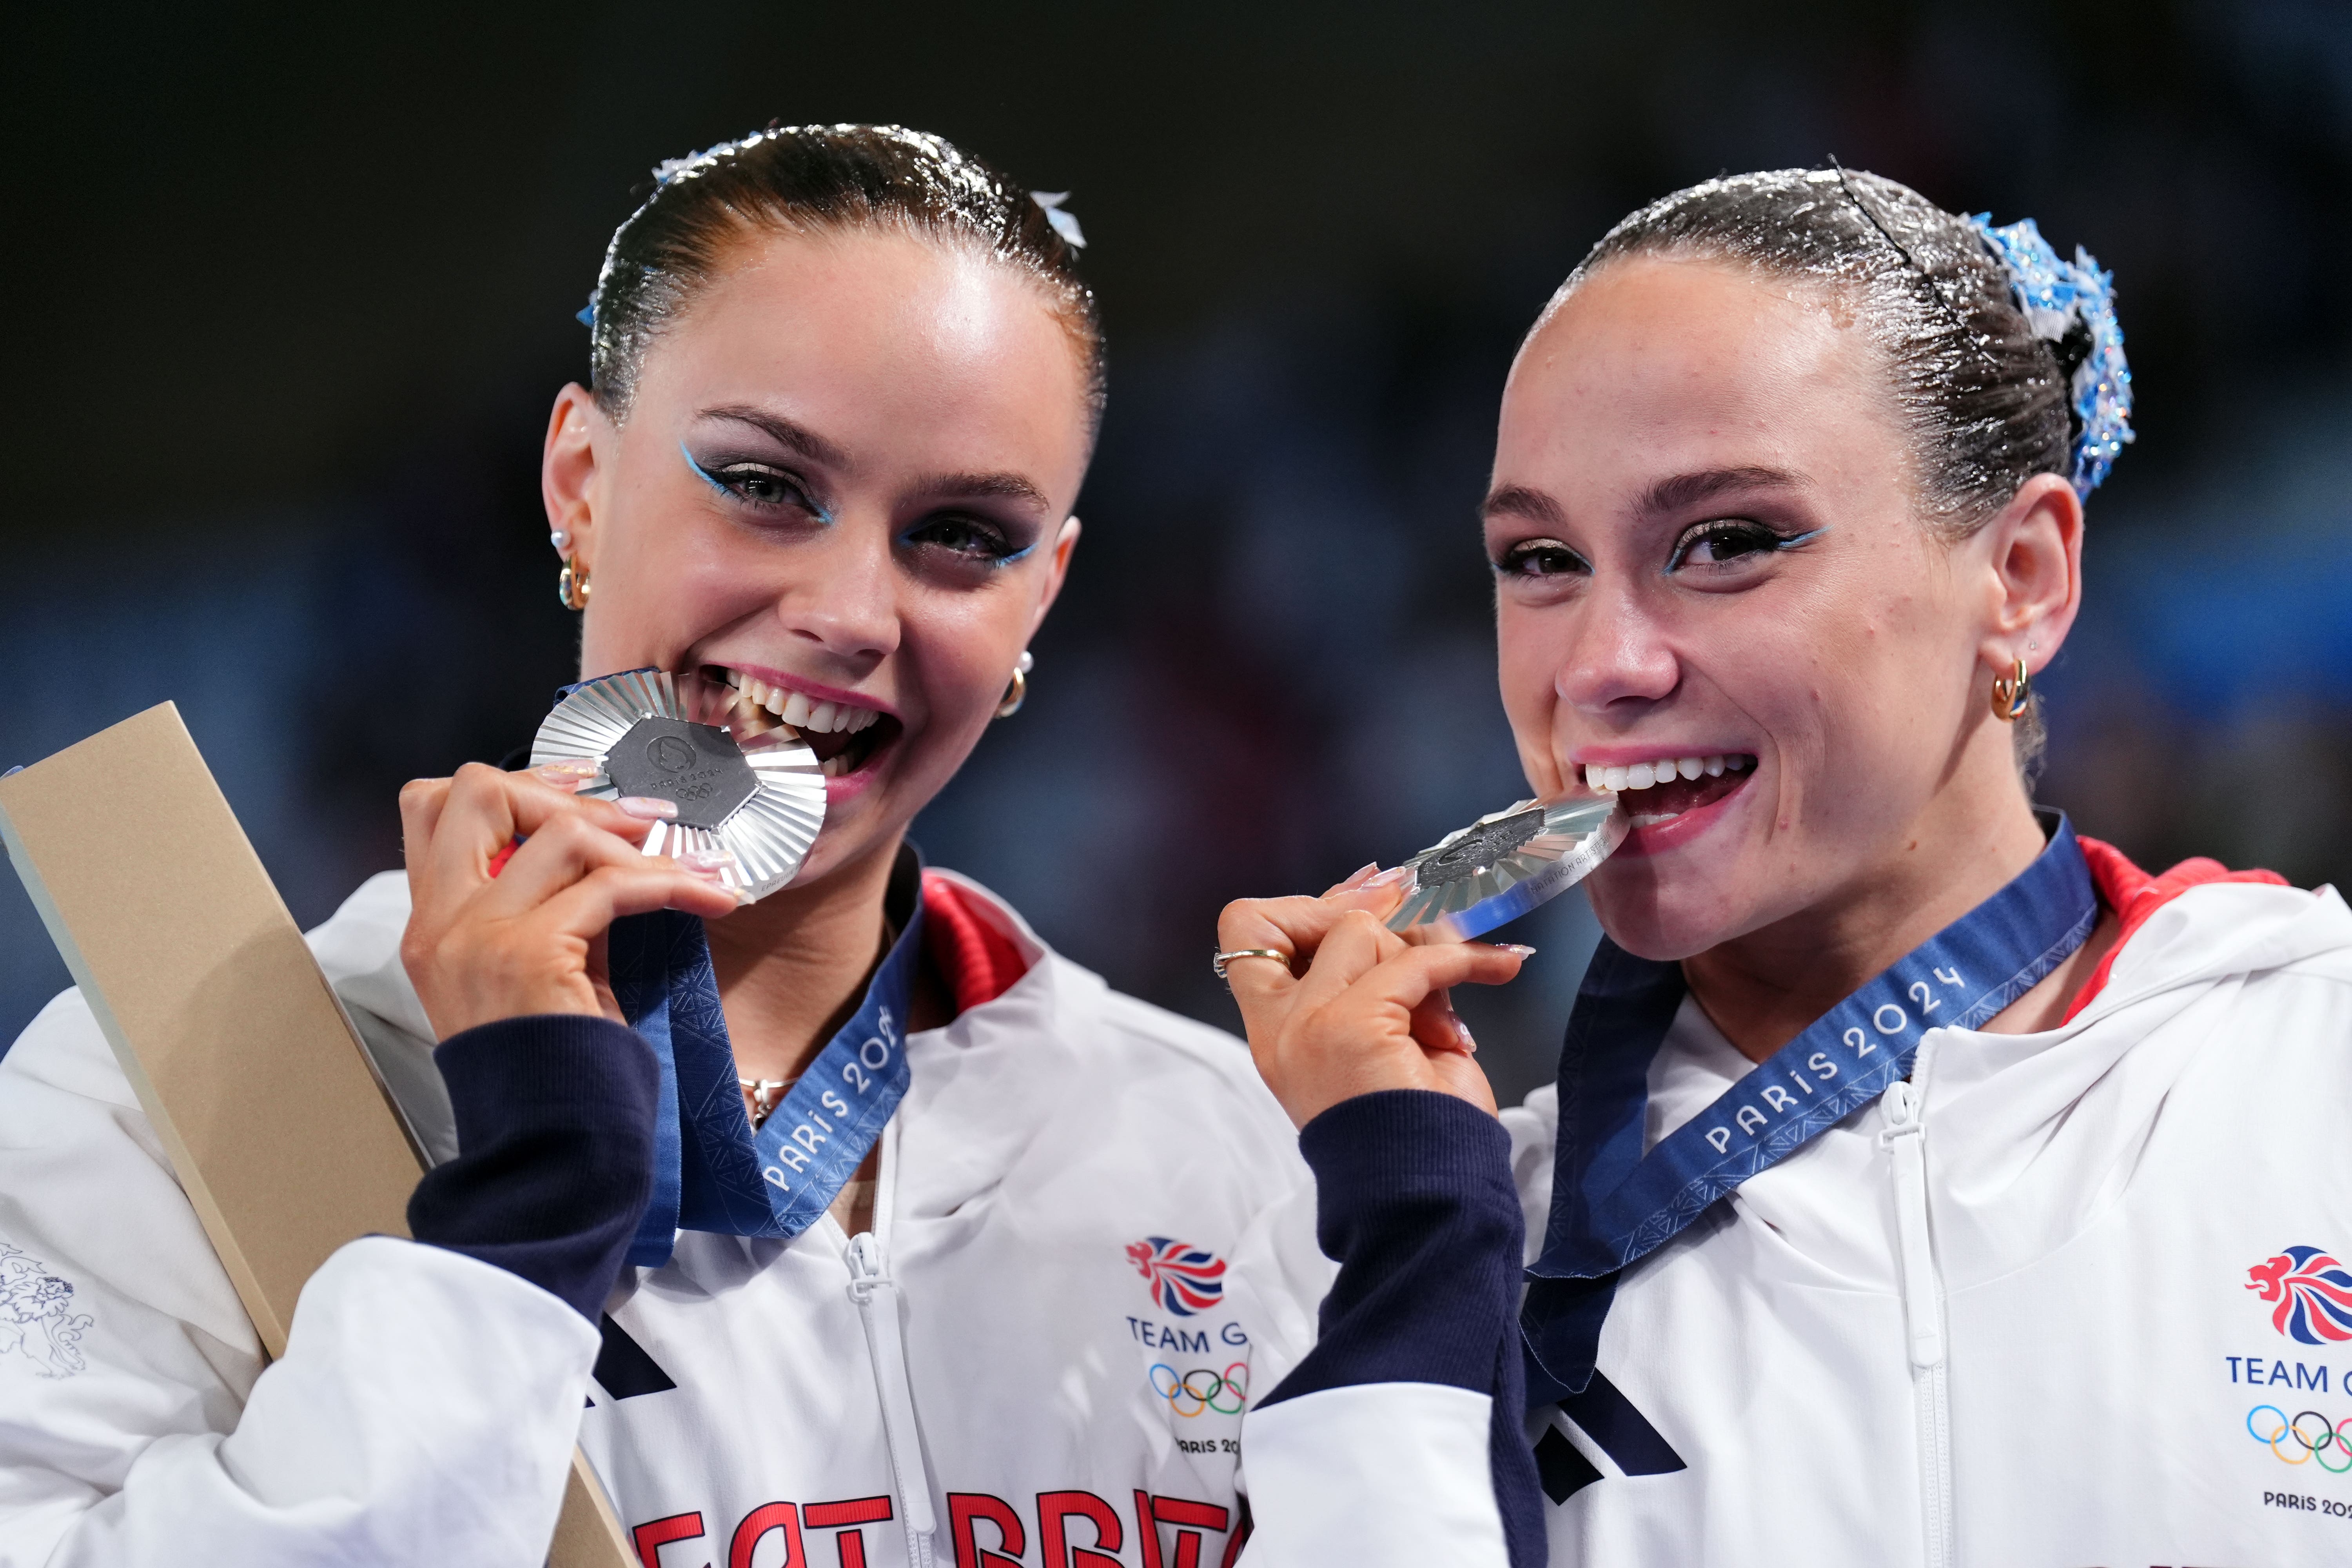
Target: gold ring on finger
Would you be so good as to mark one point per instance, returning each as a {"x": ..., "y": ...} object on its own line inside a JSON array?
[{"x": 1223, "y": 958}]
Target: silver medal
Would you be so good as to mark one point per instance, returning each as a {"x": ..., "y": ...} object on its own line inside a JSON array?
[
  {"x": 741, "y": 782},
  {"x": 1502, "y": 865}
]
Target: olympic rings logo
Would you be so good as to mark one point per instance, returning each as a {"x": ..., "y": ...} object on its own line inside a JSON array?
[
  {"x": 2305, "y": 1437},
  {"x": 1201, "y": 1388}
]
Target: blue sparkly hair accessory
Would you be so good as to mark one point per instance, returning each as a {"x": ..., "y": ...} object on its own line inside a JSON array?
[
  {"x": 2071, "y": 305},
  {"x": 1066, "y": 223}
]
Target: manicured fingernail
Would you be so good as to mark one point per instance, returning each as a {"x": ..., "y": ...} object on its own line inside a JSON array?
[
  {"x": 707, "y": 862},
  {"x": 1388, "y": 878},
  {"x": 565, "y": 775},
  {"x": 1356, "y": 878},
  {"x": 1522, "y": 949},
  {"x": 1462, "y": 1033},
  {"x": 647, "y": 807}
]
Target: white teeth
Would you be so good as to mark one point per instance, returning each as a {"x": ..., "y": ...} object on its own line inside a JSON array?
[
  {"x": 1651, "y": 819},
  {"x": 1666, "y": 770},
  {"x": 833, "y": 767},
  {"x": 796, "y": 708}
]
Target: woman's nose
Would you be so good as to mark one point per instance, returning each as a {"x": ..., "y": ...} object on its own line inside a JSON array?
[
  {"x": 1616, "y": 655},
  {"x": 849, "y": 605}
]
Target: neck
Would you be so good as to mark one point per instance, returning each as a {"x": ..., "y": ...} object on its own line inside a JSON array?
[
  {"x": 1765, "y": 988},
  {"x": 793, "y": 967}
]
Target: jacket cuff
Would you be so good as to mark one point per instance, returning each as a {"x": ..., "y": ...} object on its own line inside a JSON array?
[
  {"x": 555, "y": 1147},
  {"x": 1414, "y": 1201}
]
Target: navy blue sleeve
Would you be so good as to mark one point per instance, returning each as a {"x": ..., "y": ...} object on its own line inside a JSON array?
[
  {"x": 555, "y": 1148},
  {"x": 1413, "y": 1200}
]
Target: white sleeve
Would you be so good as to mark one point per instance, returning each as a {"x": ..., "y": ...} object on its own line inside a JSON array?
[
  {"x": 1375, "y": 1473},
  {"x": 1381, "y": 1445},
  {"x": 424, "y": 1411}
]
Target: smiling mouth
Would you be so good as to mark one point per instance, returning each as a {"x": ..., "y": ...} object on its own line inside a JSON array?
[
  {"x": 845, "y": 736},
  {"x": 1652, "y": 793}
]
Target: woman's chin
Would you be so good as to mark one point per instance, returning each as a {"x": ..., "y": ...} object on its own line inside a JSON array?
[{"x": 1663, "y": 916}]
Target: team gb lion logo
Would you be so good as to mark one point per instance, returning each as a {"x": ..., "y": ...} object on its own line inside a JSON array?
[
  {"x": 1183, "y": 1278},
  {"x": 2313, "y": 1293},
  {"x": 34, "y": 1321}
]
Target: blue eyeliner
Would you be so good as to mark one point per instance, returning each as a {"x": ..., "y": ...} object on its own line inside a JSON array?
[
  {"x": 1675, "y": 562},
  {"x": 705, "y": 473},
  {"x": 715, "y": 483},
  {"x": 908, "y": 538}
]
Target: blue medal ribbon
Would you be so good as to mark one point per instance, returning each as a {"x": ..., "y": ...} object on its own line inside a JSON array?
[
  {"x": 710, "y": 1172},
  {"x": 1613, "y": 1206}
]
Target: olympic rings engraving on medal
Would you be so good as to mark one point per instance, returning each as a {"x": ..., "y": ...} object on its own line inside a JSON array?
[
  {"x": 2306, "y": 1436},
  {"x": 1201, "y": 1388}
]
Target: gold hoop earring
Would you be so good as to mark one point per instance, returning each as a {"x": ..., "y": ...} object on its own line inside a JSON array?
[
  {"x": 1018, "y": 691},
  {"x": 571, "y": 586},
  {"x": 2011, "y": 693}
]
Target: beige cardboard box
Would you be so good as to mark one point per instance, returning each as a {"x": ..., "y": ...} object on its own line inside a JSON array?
[{"x": 277, "y": 1127}]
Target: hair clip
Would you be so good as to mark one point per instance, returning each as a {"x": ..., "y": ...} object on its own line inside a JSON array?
[
  {"x": 2071, "y": 305},
  {"x": 1065, "y": 224}
]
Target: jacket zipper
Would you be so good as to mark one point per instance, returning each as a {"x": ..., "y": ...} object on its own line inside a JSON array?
[
  {"x": 876, "y": 1295},
  {"x": 1904, "y": 1139}
]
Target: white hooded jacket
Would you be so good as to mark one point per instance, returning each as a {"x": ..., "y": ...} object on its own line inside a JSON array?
[
  {"x": 2015, "y": 1313},
  {"x": 1008, "y": 1370},
  {"x": 2062, "y": 1298}
]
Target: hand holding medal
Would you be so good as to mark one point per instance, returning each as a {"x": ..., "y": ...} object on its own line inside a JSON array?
[
  {"x": 744, "y": 789},
  {"x": 1371, "y": 1010},
  {"x": 641, "y": 796}
]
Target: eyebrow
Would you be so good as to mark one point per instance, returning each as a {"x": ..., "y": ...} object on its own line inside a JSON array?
[
  {"x": 1000, "y": 486},
  {"x": 798, "y": 438},
  {"x": 1519, "y": 500},
  {"x": 1681, "y": 491},
  {"x": 1677, "y": 492}
]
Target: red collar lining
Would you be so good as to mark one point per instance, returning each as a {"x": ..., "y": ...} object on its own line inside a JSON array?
[
  {"x": 2135, "y": 897},
  {"x": 978, "y": 961}
]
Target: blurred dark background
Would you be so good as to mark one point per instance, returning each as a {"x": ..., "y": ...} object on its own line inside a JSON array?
[{"x": 290, "y": 290}]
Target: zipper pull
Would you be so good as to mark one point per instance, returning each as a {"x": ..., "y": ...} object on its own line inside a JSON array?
[
  {"x": 866, "y": 1271},
  {"x": 1904, "y": 1139}
]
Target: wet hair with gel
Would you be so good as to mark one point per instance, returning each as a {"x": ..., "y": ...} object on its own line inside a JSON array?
[
  {"x": 817, "y": 179},
  {"x": 1988, "y": 401}
]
